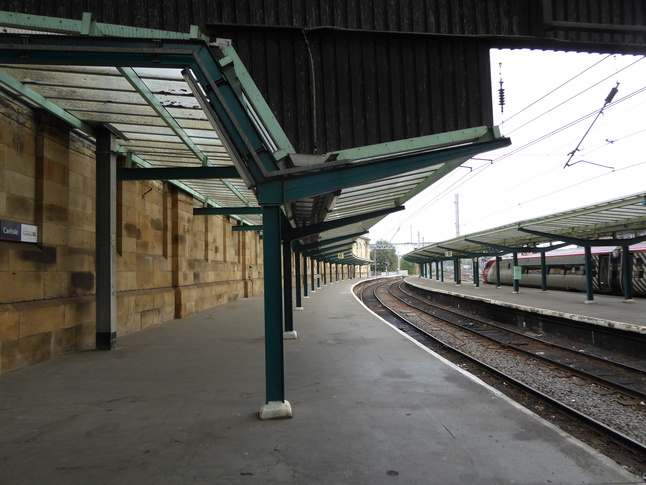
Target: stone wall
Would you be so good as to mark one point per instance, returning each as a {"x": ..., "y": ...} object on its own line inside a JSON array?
[{"x": 169, "y": 263}]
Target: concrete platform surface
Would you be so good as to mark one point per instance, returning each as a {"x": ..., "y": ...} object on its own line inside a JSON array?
[
  {"x": 607, "y": 310},
  {"x": 178, "y": 404}
]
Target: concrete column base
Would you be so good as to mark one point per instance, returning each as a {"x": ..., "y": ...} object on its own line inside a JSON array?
[
  {"x": 291, "y": 335},
  {"x": 630, "y": 300},
  {"x": 276, "y": 410},
  {"x": 305, "y": 297},
  {"x": 298, "y": 309},
  {"x": 589, "y": 302}
]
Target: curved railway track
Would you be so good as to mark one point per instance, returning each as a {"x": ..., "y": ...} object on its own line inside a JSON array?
[
  {"x": 622, "y": 377},
  {"x": 462, "y": 333}
]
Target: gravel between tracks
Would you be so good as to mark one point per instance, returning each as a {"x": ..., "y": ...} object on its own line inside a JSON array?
[{"x": 613, "y": 409}]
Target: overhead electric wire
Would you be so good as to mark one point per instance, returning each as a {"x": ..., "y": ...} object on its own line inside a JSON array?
[
  {"x": 473, "y": 173},
  {"x": 462, "y": 180},
  {"x": 481, "y": 217},
  {"x": 568, "y": 125},
  {"x": 557, "y": 88},
  {"x": 569, "y": 99}
]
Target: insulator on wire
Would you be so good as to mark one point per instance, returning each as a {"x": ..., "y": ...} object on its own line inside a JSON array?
[
  {"x": 611, "y": 94},
  {"x": 501, "y": 91}
]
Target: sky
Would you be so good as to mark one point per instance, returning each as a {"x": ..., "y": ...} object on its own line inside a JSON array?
[{"x": 546, "y": 96}]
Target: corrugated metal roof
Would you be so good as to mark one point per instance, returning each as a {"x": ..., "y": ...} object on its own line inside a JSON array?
[{"x": 622, "y": 218}]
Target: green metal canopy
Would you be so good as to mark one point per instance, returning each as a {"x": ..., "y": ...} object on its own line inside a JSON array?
[
  {"x": 608, "y": 223},
  {"x": 188, "y": 109},
  {"x": 170, "y": 111}
]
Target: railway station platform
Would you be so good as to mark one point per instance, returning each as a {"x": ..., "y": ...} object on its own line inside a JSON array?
[
  {"x": 607, "y": 310},
  {"x": 178, "y": 404}
]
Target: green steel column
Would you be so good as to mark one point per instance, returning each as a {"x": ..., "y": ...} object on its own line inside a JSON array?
[
  {"x": 442, "y": 269},
  {"x": 274, "y": 360},
  {"x": 437, "y": 270},
  {"x": 313, "y": 275},
  {"x": 456, "y": 271},
  {"x": 318, "y": 275},
  {"x": 430, "y": 271},
  {"x": 305, "y": 295},
  {"x": 543, "y": 272},
  {"x": 589, "y": 285},
  {"x": 297, "y": 262},
  {"x": 287, "y": 287},
  {"x": 476, "y": 272},
  {"x": 516, "y": 285},
  {"x": 498, "y": 259},
  {"x": 324, "y": 273},
  {"x": 627, "y": 273}
]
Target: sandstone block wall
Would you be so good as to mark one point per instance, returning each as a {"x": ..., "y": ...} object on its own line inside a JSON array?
[{"x": 169, "y": 264}]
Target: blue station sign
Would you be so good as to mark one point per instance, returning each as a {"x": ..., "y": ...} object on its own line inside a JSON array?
[{"x": 14, "y": 231}]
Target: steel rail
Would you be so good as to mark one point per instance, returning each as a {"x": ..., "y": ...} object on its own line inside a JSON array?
[
  {"x": 636, "y": 393},
  {"x": 618, "y": 437}
]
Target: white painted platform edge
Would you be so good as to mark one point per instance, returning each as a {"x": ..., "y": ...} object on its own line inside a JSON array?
[
  {"x": 500, "y": 395},
  {"x": 630, "y": 327}
]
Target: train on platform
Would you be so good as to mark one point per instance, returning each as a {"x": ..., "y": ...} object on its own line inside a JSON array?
[{"x": 566, "y": 270}]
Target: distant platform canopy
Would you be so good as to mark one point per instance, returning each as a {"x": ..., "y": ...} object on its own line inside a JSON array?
[{"x": 619, "y": 222}]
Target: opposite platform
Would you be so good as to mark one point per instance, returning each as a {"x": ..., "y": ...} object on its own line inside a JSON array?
[
  {"x": 178, "y": 404},
  {"x": 607, "y": 310}
]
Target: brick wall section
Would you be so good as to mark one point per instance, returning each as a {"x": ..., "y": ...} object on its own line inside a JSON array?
[{"x": 169, "y": 263}]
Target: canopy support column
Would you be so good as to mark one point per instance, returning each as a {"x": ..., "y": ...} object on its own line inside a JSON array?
[
  {"x": 288, "y": 302},
  {"x": 514, "y": 279},
  {"x": 589, "y": 287},
  {"x": 498, "y": 259},
  {"x": 275, "y": 404},
  {"x": 313, "y": 275},
  {"x": 627, "y": 272},
  {"x": 305, "y": 282},
  {"x": 476, "y": 272},
  {"x": 543, "y": 272},
  {"x": 297, "y": 283},
  {"x": 106, "y": 242}
]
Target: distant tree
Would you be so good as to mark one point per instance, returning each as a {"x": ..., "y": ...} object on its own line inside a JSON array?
[
  {"x": 386, "y": 256},
  {"x": 407, "y": 265}
]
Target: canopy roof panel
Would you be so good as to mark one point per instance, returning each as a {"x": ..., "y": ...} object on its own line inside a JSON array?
[
  {"x": 613, "y": 222},
  {"x": 174, "y": 101}
]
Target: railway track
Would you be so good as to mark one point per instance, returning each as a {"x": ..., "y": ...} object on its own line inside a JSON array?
[{"x": 524, "y": 361}]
